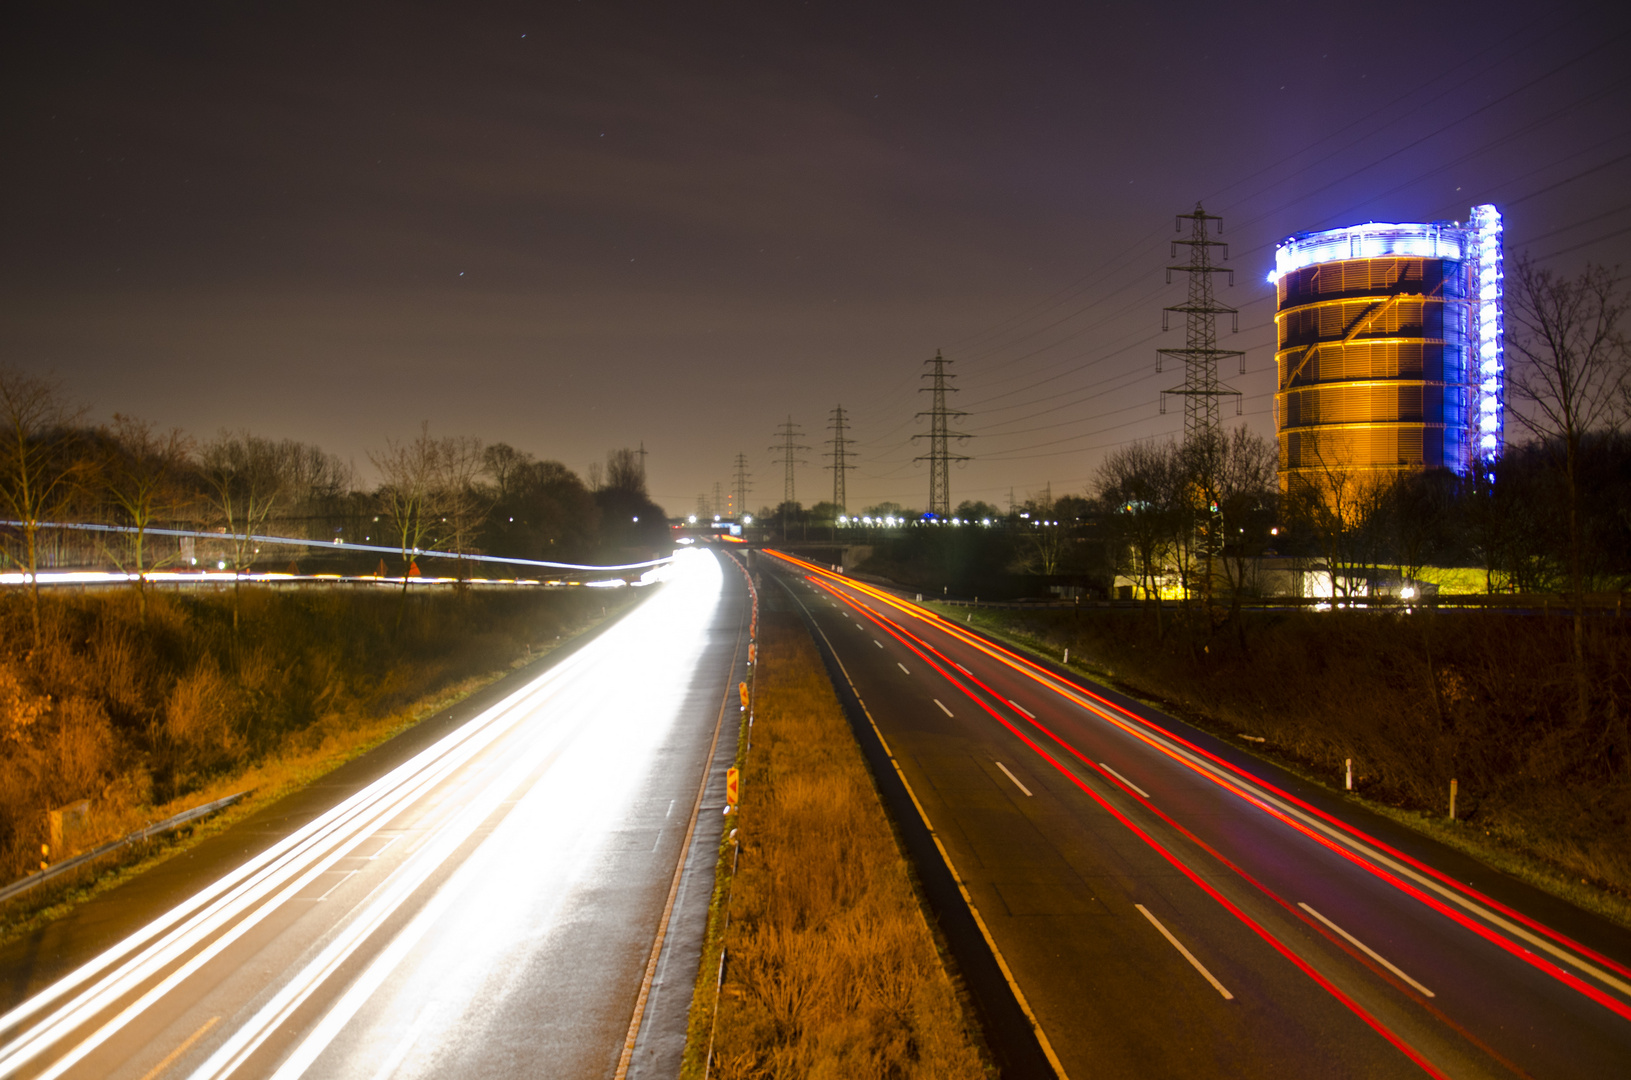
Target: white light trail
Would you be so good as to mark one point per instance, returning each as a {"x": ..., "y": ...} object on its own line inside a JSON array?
[{"x": 660, "y": 640}]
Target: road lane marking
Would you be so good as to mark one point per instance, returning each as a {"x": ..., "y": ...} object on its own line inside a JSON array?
[
  {"x": 878, "y": 643},
  {"x": 1176, "y": 944},
  {"x": 143, "y": 954},
  {"x": 1123, "y": 779},
  {"x": 449, "y": 837},
  {"x": 397, "y": 1056},
  {"x": 345, "y": 876},
  {"x": 943, "y": 708},
  {"x": 963, "y": 669},
  {"x": 951, "y": 867},
  {"x": 1279, "y": 946},
  {"x": 901, "y": 666},
  {"x": 1338, "y": 836},
  {"x": 1366, "y": 949},
  {"x": 1014, "y": 778},
  {"x": 1022, "y": 710},
  {"x": 171, "y": 1058}
]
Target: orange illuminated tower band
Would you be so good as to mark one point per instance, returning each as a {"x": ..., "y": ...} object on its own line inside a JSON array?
[{"x": 1389, "y": 350}]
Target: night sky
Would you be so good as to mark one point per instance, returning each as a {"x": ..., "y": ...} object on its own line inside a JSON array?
[{"x": 573, "y": 227}]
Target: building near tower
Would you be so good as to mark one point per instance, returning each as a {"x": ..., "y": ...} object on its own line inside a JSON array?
[{"x": 1389, "y": 348}]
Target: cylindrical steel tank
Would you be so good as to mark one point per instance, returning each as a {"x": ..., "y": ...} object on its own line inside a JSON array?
[{"x": 1379, "y": 337}]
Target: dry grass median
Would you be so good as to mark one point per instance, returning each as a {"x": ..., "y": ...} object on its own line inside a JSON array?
[{"x": 831, "y": 968}]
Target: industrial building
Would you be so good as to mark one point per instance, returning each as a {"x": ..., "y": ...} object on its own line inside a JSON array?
[{"x": 1390, "y": 348}]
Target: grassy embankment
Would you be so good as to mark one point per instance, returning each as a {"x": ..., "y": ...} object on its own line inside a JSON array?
[
  {"x": 831, "y": 968},
  {"x": 146, "y": 713},
  {"x": 1415, "y": 700}
]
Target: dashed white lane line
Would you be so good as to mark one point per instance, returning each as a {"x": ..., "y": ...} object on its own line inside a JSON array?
[
  {"x": 1123, "y": 779},
  {"x": 963, "y": 669},
  {"x": 1176, "y": 944},
  {"x": 901, "y": 666},
  {"x": 1014, "y": 778},
  {"x": 1022, "y": 710},
  {"x": 398, "y": 1056},
  {"x": 878, "y": 643},
  {"x": 1366, "y": 949},
  {"x": 943, "y": 708}
]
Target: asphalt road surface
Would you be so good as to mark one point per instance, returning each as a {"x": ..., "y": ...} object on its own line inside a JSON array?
[
  {"x": 507, "y": 900},
  {"x": 1170, "y": 907}
]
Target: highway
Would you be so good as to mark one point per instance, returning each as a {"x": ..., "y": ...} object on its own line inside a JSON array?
[
  {"x": 1165, "y": 905},
  {"x": 522, "y": 895}
]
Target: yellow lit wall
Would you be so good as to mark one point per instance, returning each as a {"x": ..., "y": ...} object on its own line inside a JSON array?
[{"x": 1365, "y": 346}]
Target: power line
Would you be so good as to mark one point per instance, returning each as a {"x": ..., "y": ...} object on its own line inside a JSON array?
[
  {"x": 788, "y": 449},
  {"x": 742, "y": 484},
  {"x": 840, "y": 460},
  {"x": 940, "y": 435},
  {"x": 1200, "y": 354}
]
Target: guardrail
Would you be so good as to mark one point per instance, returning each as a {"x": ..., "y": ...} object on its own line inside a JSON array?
[{"x": 17, "y": 888}]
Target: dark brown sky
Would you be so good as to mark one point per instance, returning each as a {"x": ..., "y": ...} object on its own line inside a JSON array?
[{"x": 577, "y": 226}]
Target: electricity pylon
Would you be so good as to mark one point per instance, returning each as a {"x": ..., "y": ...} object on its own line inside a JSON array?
[
  {"x": 940, "y": 435},
  {"x": 1203, "y": 434},
  {"x": 742, "y": 485},
  {"x": 840, "y": 459},
  {"x": 789, "y": 459},
  {"x": 1200, "y": 354}
]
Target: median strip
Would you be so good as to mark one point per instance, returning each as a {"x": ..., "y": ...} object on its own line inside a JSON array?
[{"x": 829, "y": 965}]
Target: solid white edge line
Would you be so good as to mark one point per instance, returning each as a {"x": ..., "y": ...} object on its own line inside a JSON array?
[
  {"x": 1366, "y": 949},
  {"x": 1148, "y": 732},
  {"x": 901, "y": 666},
  {"x": 943, "y": 708},
  {"x": 1176, "y": 944},
  {"x": 1145, "y": 731},
  {"x": 1022, "y": 710},
  {"x": 1123, "y": 779},
  {"x": 1014, "y": 778},
  {"x": 962, "y": 886}
]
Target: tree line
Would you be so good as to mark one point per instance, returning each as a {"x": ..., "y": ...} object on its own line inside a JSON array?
[
  {"x": 454, "y": 493},
  {"x": 1199, "y": 519}
]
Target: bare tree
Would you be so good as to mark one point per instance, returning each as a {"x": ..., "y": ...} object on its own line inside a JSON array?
[
  {"x": 1042, "y": 536},
  {"x": 245, "y": 476},
  {"x": 408, "y": 478},
  {"x": 462, "y": 505},
  {"x": 624, "y": 472},
  {"x": 1244, "y": 487},
  {"x": 1138, "y": 486},
  {"x": 40, "y": 465},
  {"x": 1342, "y": 508},
  {"x": 143, "y": 476},
  {"x": 502, "y": 463},
  {"x": 1568, "y": 374},
  {"x": 317, "y": 482}
]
